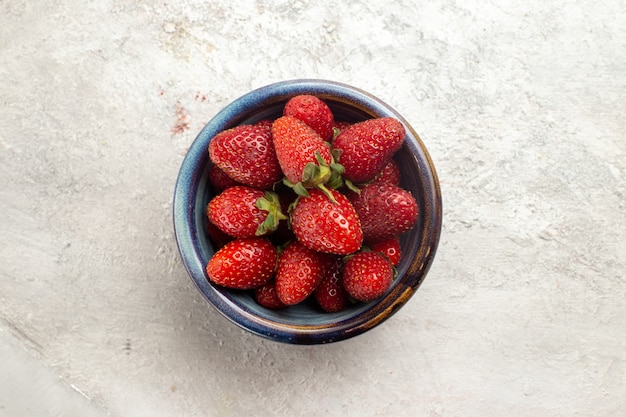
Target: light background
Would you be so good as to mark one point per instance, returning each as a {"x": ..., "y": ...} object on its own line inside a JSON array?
[{"x": 521, "y": 105}]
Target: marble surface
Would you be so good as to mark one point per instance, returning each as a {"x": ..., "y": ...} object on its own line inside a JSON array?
[{"x": 521, "y": 105}]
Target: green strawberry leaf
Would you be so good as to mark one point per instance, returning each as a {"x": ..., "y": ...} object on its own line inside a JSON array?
[
  {"x": 335, "y": 181},
  {"x": 336, "y": 132},
  {"x": 352, "y": 187},
  {"x": 338, "y": 168},
  {"x": 320, "y": 159},
  {"x": 297, "y": 188},
  {"x": 270, "y": 203},
  {"x": 311, "y": 171},
  {"x": 315, "y": 174},
  {"x": 336, "y": 175}
]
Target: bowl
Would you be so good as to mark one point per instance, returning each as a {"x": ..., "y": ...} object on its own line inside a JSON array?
[{"x": 305, "y": 323}]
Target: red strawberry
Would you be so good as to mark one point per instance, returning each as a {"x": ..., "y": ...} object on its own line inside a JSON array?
[
  {"x": 218, "y": 238},
  {"x": 303, "y": 156},
  {"x": 247, "y": 155},
  {"x": 219, "y": 179},
  {"x": 389, "y": 248},
  {"x": 390, "y": 174},
  {"x": 266, "y": 296},
  {"x": 243, "y": 211},
  {"x": 298, "y": 272},
  {"x": 243, "y": 263},
  {"x": 367, "y": 276},
  {"x": 330, "y": 294},
  {"x": 327, "y": 226},
  {"x": 384, "y": 210},
  {"x": 312, "y": 111},
  {"x": 367, "y": 146},
  {"x": 265, "y": 123}
]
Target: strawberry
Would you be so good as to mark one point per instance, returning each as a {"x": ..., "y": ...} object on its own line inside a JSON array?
[
  {"x": 266, "y": 296},
  {"x": 265, "y": 123},
  {"x": 384, "y": 210},
  {"x": 303, "y": 155},
  {"x": 366, "y": 147},
  {"x": 390, "y": 174},
  {"x": 247, "y": 155},
  {"x": 325, "y": 225},
  {"x": 330, "y": 294},
  {"x": 217, "y": 237},
  {"x": 219, "y": 179},
  {"x": 243, "y": 211},
  {"x": 312, "y": 111},
  {"x": 298, "y": 272},
  {"x": 367, "y": 276},
  {"x": 389, "y": 248},
  {"x": 243, "y": 263}
]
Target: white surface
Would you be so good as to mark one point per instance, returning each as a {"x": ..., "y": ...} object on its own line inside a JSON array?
[
  {"x": 29, "y": 388},
  {"x": 521, "y": 105}
]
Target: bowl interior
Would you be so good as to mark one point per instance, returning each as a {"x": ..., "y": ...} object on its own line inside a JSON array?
[{"x": 306, "y": 322}]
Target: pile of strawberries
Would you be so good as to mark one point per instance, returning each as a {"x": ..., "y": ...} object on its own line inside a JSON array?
[{"x": 308, "y": 207}]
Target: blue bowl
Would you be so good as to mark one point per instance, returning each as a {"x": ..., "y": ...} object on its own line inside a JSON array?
[{"x": 306, "y": 323}]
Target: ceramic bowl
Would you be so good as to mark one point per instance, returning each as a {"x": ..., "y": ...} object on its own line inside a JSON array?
[{"x": 306, "y": 323}]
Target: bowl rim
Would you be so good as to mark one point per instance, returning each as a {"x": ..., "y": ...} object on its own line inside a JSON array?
[{"x": 187, "y": 238}]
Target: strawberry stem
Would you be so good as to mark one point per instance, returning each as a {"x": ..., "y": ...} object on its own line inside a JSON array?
[
  {"x": 270, "y": 203},
  {"x": 321, "y": 175}
]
